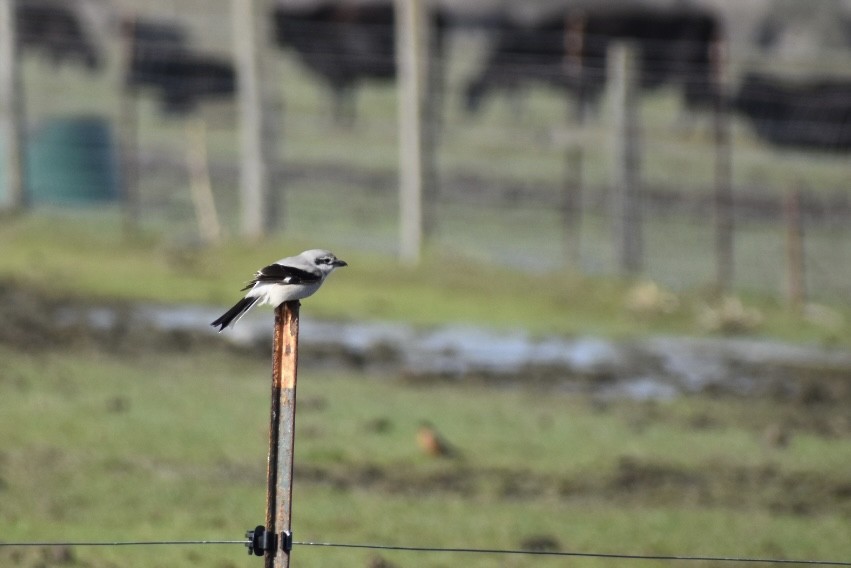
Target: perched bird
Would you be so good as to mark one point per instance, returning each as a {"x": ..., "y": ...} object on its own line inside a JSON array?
[
  {"x": 432, "y": 443},
  {"x": 291, "y": 278}
]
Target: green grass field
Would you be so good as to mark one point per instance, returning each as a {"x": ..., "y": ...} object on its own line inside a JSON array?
[
  {"x": 86, "y": 255},
  {"x": 166, "y": 440},
  {"x": 172, "y": 446}
]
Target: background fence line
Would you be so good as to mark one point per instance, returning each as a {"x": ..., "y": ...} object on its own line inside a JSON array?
[{"x": 518, "y": 181}]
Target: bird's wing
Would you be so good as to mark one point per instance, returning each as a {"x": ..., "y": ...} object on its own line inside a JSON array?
[{"x": 280, "y": 274}]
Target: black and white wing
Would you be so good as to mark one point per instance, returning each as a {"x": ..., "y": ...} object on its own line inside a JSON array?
[{"x": 280, "y": 274}]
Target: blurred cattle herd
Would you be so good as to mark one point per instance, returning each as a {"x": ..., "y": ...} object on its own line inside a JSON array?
[{"x": 344, "y": 43}]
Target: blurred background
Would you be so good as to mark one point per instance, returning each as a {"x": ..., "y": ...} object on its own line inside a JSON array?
[
  {"x": 597, "y": 293},
  {"x": 137, "y": 106}
]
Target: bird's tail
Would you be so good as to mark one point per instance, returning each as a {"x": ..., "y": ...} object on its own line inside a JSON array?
[{"x": 233, "y": 314}]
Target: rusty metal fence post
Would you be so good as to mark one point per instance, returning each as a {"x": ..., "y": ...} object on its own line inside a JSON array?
[{"x": 279, "y": 473}]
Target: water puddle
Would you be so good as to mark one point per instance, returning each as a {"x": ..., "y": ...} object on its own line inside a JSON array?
[{"x": 644, "y": 369}]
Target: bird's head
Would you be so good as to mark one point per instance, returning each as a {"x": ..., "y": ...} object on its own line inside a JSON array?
[{"x": 324, "y": 260}]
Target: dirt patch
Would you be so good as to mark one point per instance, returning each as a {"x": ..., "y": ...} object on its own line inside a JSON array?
[
  {"x": 642, "y": 369},
  {"x": 29, "y": 319},
  {"x": 34, "y": 321},
  {"x": 630, "y": 481}
]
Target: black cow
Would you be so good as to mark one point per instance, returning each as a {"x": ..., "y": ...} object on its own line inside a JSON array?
[
  {"x": 570, "y": 52},
  {"x": 55, "y": 29},
  {"x": 524, "y": 54},
  {"x": 161, "y": 58},
  {"x": 346, "y": 43},
  {"x": 187, "y": 78},
  {"x": 807, "y": 115}
]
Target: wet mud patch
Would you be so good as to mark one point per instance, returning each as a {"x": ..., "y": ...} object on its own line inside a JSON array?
[
  {"x": 35, "y": 321},
  {"x": 654, "y": 368}
]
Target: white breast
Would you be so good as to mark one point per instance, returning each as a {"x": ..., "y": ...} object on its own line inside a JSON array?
[{"x": 276, "y": 294}]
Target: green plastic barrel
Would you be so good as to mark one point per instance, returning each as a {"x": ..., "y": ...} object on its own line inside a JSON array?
[{"x": 73, "y": 161}]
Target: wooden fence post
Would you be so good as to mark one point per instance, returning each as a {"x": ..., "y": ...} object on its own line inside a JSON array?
[
  {"x": 723, "y": 201},
  {"x": 571, "y": 203},
  {"x": 626, "y": 190},
  {"x": 200, "y": 186},
  {"x": 255, "y": 147},
  {"x": 128, "y": 128},
  {"x": 411, "y": 57},
  {"x": 12, "y": 116},
  {"x": 574, "y": 155},
  {"x": 433, "y": 90},
  {"x": 796, "y": 288}
]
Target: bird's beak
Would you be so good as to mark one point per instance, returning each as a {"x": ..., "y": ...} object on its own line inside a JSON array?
[{"x": 339, "y": 263}]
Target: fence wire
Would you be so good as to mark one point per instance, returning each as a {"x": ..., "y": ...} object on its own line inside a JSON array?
[{"x": 449, "y": 550}]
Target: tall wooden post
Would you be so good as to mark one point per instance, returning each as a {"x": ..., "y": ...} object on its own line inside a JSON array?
[
  {"x": 411, "y": 54},
  {"x": 574, "y": 155},
  {"x": 128, "y": 127},
  {"x": 724, "y": 221},
  {"x": 433, "y": 90},
  {"x": 200, "y": 186},
  {"x": 626, "y": 190},
  {"x": 796, "y": 288},
  {"x": 571, "y": 203},
  {"x": 255, "y": 148},
  {"x": 279, "y": 473},
  {"x": 12, "y": 119}
]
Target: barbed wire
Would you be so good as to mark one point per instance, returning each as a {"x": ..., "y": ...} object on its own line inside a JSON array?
[{"x": 449, "y": 550}]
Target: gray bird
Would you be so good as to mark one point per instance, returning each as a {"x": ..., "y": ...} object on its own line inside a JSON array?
[{"x": 291, "y": 278}]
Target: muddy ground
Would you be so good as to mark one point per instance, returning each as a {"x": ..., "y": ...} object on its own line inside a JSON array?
[
  {"x": 812, "y": 395},
  {"x": 642, "y": 369}
]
